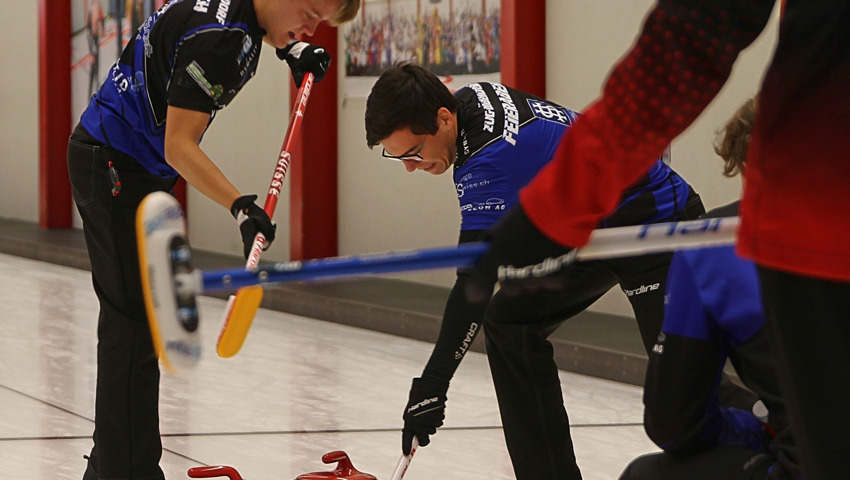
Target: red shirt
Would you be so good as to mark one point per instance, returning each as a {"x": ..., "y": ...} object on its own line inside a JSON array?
[{"x": 796, "y": 207}]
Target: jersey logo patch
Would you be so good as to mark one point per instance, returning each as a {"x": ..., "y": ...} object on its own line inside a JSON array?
[
  {"x": 197, "y": 74},
  {"x": 552, "y": 113},
  {"x": 247, "y": 43}
]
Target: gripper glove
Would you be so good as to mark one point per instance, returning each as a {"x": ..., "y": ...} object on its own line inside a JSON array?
[
  {"x": 521, "y": 258},
  {"x": 424, "y": 413},
  {"x": 252, "y": 219},
  {"x": 303, "y": 57}
]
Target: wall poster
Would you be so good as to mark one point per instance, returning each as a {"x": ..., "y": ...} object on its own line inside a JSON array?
[{"x": 458, "y": 40}]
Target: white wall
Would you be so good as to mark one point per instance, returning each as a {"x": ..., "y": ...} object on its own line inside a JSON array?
[
  {"x": 245, "y": 141},
  {"x": 19, "y": 111},
  {"x": 381, "y": 206}
]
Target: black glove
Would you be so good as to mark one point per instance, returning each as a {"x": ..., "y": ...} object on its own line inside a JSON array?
[
  {"x": 252, "y": 219},
  {"x": 302, "y": 58},
  {"x": 425, "y": 411},
  {"x": 521, "y": 258}
]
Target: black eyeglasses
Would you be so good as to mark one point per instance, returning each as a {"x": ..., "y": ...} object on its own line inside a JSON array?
[{"x": 414, "y": 157}]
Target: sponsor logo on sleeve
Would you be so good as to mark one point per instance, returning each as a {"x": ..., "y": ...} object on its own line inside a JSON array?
[
  {"x": 484, "y": 102},
  {"x": 197, "y": 73},
  {"x": 511, "y": 129},
  {"x": 221, "y": 13},
  {"x": 247, "y": 43},
  {"x": 464, "y": 141},
  {"x": 467, "y": 341},
  {"x": 549, "y": 112}
]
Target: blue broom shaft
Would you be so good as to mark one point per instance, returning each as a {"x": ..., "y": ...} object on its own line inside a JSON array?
[
  {"x": 603, "y": 243},
  {"x": 390, "y": 262}
]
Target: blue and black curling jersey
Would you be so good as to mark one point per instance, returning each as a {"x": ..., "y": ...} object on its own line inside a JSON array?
[
  {"x": 192, "y": 54},
  {"x": 506, "y": 136}
]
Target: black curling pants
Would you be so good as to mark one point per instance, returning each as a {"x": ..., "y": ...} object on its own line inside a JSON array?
[
  {"x": 531, "y": 405},
  {"x": 810, "y": 322},
  {"x": 126, "y": 436},
  {"x": 535, "y": 422}
]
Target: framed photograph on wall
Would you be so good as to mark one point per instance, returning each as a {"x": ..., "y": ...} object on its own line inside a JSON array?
[{"x": 458, "y": 40}]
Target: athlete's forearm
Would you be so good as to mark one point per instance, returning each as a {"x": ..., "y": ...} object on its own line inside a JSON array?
[
  {"x": 461, "y": 323},
  {"x": 200, "y": 172},
  {"x": 182, "y": 151}
]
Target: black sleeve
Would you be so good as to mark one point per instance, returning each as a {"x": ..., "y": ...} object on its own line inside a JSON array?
[
  {"x": 206, "y": 73},
  {"x": 461, "y": 323}
]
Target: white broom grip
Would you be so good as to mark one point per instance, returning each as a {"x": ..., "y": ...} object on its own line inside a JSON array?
[
  {"x": 256, "y": 250},
  {"x": 658, "y": 237},
  {"x": 404, "y": 461}
]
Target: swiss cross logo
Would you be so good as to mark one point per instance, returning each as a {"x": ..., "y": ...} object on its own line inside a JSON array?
[{"x": 550, "y": 112}]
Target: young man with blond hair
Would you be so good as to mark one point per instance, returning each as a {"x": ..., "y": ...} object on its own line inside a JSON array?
[{"x": 142, "y": 130}]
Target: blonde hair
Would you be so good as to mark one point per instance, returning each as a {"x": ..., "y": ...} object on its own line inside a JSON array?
[
  {"x": 346, "y": 13},
  {"x": 734, "y": 138}
]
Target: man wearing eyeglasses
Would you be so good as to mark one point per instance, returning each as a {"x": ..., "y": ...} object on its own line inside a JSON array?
[{"x": 497, "y": 138}]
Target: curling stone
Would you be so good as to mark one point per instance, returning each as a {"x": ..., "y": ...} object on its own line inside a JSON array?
[{"x": 344, "y": 469}]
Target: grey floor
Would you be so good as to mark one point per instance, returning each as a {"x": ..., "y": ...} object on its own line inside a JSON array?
[{"x": 301, "y": 387}]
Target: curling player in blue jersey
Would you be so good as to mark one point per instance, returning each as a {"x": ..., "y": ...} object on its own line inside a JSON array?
[
  {"x": 140, "y": 131},
  {"x": 713, "y": 314},
  {"x": 495, "y": 139}
]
